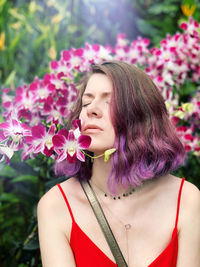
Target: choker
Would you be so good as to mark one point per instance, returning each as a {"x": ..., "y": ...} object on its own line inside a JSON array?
[{"x": 116, "y": 197}]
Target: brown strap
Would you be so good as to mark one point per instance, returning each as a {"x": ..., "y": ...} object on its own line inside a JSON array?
[{"x": 105, "y": 227}]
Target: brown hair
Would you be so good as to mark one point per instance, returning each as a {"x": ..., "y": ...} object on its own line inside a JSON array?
[{"x": 146, "y": 141}]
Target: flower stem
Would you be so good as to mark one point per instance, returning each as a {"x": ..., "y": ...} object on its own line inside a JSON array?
[{"x": 92, "y": 157}]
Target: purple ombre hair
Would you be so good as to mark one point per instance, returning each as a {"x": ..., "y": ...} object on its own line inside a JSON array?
[{"x": 147, "y": 144}]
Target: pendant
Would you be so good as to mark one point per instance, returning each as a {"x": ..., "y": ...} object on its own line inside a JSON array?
[{"x": 127, "y": 226}]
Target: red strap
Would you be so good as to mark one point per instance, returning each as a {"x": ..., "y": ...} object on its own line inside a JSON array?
[
  {"x": 179, "y": 198},
  {"x": 65, "y": 198}
]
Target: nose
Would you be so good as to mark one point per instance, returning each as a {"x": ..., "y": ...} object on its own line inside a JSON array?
[{"x": 94, "y": 110}]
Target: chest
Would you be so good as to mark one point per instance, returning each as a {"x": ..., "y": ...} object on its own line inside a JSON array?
[
  {"x": 141, "y": 235},
  {"x": 88, "y": 251}
]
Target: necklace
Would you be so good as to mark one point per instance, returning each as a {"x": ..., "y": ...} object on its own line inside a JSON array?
[
  {"x": 126, "y": 226},
  {"x": 115, "y": 197}
]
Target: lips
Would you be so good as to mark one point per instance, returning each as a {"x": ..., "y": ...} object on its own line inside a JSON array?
[{"x": 92, "y": 128}]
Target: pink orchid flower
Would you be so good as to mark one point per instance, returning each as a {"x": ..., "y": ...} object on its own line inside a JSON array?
[
  {"x": 67, "y": 146},
  {"x": 15, "y": 129},
  {"x": 54, "y": 112},
  {"x": 42, "y": 140},
  {"x": 74, "y": 57}
]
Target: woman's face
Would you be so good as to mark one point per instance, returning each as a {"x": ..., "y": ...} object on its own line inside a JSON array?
[{"x": 95, "y": 113}]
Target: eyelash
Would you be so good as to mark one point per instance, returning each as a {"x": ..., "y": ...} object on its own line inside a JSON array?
[{"x": 85, "y": 105}]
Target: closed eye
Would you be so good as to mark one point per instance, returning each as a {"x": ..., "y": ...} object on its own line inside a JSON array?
[{"x": 85, "y": 105}]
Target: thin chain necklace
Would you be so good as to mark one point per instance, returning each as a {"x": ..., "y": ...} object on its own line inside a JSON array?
[{"x": 126, "y": 227}]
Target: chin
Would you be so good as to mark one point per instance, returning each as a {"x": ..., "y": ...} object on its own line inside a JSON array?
[{"x": 98, "y": 147}]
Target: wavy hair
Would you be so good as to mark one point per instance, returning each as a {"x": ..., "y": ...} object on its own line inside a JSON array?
[{"x": 146, "y": 141}]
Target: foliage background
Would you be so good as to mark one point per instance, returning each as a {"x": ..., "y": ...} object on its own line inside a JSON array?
[{"x": 32, "y": 33}]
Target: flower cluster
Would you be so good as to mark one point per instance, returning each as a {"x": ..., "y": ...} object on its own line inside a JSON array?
[
  {"x": 62, "y": 145},
  {"x": 36, "y": 114}
]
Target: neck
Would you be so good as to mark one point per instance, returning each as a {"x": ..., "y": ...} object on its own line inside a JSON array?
[{"x": 100, "y": 174}]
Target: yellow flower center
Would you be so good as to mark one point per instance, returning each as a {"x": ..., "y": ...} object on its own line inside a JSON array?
[{"x": 71, "y": 150}]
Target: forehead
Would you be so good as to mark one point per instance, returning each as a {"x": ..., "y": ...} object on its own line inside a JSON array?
[{"x": 98, "y": 84}]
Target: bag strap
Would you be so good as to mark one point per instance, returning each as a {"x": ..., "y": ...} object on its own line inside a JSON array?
[{"x": 105, "y": 227}]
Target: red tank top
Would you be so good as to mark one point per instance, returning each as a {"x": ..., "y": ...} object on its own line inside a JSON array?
[{"x": 86, "y": 253}]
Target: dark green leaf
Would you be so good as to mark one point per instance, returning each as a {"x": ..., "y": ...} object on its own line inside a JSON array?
[{"x": 25, "y": 178}]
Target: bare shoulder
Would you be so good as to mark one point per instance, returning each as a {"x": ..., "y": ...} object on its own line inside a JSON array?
[
  {"x": 50, "y": 206},
  {"x": 50, "y": 209},
  {"x": 54, "y": 228},
  {"x": 188, "y": 225},
  {"x": 190, "y": 193},
  {"x": 52, "y": 203},
  {"x": 188, "y": 190},
  {"x": 53, "y": 197},
  {"x": 190, "y": 199}
]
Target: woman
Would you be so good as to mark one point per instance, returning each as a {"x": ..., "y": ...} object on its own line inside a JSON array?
[{"x": 158, "y": 224}]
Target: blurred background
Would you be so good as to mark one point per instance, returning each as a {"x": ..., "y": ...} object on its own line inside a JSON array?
[{"x": 32, "y": 34}]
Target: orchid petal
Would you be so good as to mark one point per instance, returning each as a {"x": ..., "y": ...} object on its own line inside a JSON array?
[
  {"x": 64, "y": 132},
  {"x": 71, "y": 136},
  {"x": 38, "y": 148},
  {"x": 15, "y": 123},
  {"x": 80, "y": 156},
  {"x": 27, "y": 152},
  {"x": 77, "y": 133},
  {"x": 38, "y": 132},
  {"x": 7, "y": 151},
  {"x": 77, "y": 123},
  {"x": 51, "y": 130},
  {"x": 62, "y": 156},
  {"x": 5, "y": 125},
  {"x": 28, "y": 139},
  {"x": 71, "y": 159},
  {"x": 47, "y": 152},
  {"x": 30, "y": 149},
  {"x": 58, "y": 140},
  {"x": 2, "y": 159},
  {"x": 57, "y": 150},
  {"x": 25, "y": 127},
  {"x": 84, "y": 141},
  {"x": 2, "y": 137}
]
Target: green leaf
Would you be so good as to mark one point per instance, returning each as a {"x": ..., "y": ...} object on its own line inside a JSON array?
[
  {"x": 24, "y": 178},
  {"x": 9, "y": 197},
  {"x": 2, "y": 2},
  {"x": 7, "y": 171},
  {"x": 1, "y": 118},
  {"x": 188, "y": 2},
  {"x": 15, "y": 14},
  {"x": 15, "y": 42},
  {"x": 22, "y": 167},
  {"x": 145, "y": 27},
  {"x": 160, "y": 9},
  {"x": 32, "y": 244},
  {"x": 72, "y": 28},
  {"x": 10, "y": 78}
]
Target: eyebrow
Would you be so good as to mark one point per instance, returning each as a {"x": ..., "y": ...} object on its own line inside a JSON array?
[{"x": 103, "y": 94}]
